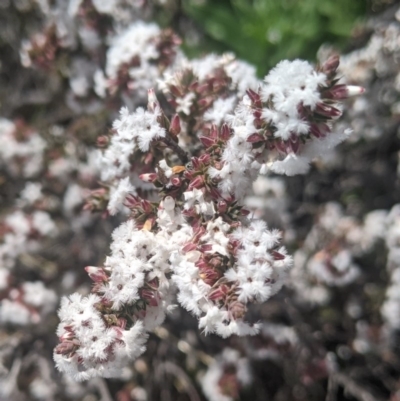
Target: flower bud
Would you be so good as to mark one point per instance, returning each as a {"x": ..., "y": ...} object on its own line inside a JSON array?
[
  {"x": 175, "y": 126},
  {"x": 222, "y": 206},
  {"x": 150, "y": 177},
  {"x": 152, "y": 102},
  {"x": 97, "y": 274},
  {"x": 330, "y": 66}
]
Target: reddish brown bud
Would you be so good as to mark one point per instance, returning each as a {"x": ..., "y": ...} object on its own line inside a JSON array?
[
  {"x": 150, "y": 177},
  {"x": 225, "y": 132},
  {"x": 152, "y": 102},
  {"x": 102, "y": 141},
  {"x": 206, "y": 141},
  {"x": 205, "y": 158},
  {"x": 277, "y": 256},
  {"x": 175, "y": 126},
  {"x": 222, "y": 206},
  {"x": 97, "y": 274},
  {"x": 327, "y": 111},
  {"x": 176, "y": 182},
  {"x": 237, "y": 310},
  {"x": 330, "y": 66},
  {"x": 254, "y": 138},
  {"x": 198, "y": 182}
]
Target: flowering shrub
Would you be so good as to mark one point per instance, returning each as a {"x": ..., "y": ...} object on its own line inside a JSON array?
[
  {"x": 197, "y": 169},
  {"x": 188, "y": 230}
]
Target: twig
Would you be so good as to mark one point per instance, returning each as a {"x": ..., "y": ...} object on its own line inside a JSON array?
[
  {"x": 352, "y": 387},
  {"x": 183, "y": 156},
  {"x": 175, "y": 370},
  {"x": 332, "y": 389}
]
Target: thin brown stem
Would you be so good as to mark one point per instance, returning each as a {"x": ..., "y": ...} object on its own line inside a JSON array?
[{"x": 183, "y": 156}]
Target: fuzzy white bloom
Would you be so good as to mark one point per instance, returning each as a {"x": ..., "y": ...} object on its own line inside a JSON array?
[
  {"x": 31, "y": 193},
  {"x": 29, "y": 149},
  {"x": 42, "y": 222},
  {"x": 101, "y": 351},
  {"x": 16, "y": 313},
  {"x": 338, "y": 270},
  {"x": 37, "y": 295},
  {"x": 256, "y": 275},
  {"x": 219, "y": 110},
  {"x": 289, "y": 84},
  {"x": 133, "y": 131},
  {"x": 211, "y": 381},
  {"x": 136, "y": 41},
  {"x": 118, "y": 195}
]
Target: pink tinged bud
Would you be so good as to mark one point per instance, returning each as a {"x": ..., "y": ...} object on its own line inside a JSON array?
[
  {"x": 205, "y": 248},
  {"x": 152, "y": 102},
  {"x": 176, "y": 181},
  {"x": 244, "y": 212},
  {"x": 254, "y": 96},
  {"x": 121, "y": 323},
  {"x": 198, "y": 182},
  {"x": 277, "y": 256},
  {"x": 254, "y": 138},
  {"x": 67, "y": 336},
  {"x": 202, "y": 264},
  {"x": 149, "y": 296},
  {"x": 202, "y": 88},
  {"x": 218, "y": 293},
  {"x": 195, "y": 163},
  {"x": 69, "y": 328},
  {"x": 209, "y": 276},
  {"x": 354, "y": 90},
  {"x": 205, "y": 102},
  {"x": 214, "y": 131},
  {"x": 214, "y": 193},
  {"x": 189, "y": 247},
  {"x": 66, "y": 347},
  {"x": 319, "y": 130},
  {"x": 102, "y": 141},
  {"x": 97, "y": 274},
  {"x": 330, "y": 66},
  {"x": 294, "y": 143},
  {"x": 206, "y": 141},
  {"x": 175, "y": 127},
  {"x": 193, "y": 86},
  {"x": 222, "y": 206},
  {"x": 237, "y": 310},
  {"x": 280, "y": 145},
  {"x": 151, "y": 177},
  {"x": 175, "y": 91},
  {"x": 205, "y": 158},
  {"x": 327, "y": 111},
  {"x": 225, "y": 132},
  {"x": 257, "y": 114},
  {"x": 339, "y": 92}
]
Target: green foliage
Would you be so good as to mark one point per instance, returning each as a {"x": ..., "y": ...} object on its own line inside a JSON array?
[{"x": 267, "y": 31}]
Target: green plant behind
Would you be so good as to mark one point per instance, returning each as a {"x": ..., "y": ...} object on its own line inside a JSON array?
[{"x": 267, "y": 31}]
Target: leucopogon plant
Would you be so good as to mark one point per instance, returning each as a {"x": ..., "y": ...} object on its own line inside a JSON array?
[{"x": 180, "y": 171}]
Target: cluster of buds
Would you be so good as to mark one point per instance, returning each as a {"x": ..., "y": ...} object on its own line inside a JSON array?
[{"x": 135, "y": 59}]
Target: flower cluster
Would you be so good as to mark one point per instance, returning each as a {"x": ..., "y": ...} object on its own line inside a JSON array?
[
  {"x": 193, "y": 189},
  {"x": 192, "y": 235}
]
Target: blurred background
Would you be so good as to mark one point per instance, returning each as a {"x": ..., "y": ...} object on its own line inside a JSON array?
[{"x": 264, "y": 32}]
